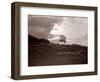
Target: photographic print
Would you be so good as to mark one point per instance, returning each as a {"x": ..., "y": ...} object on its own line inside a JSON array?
[
  {"x": 53, "y": 40},
  {"x": 57, "y": 40}
]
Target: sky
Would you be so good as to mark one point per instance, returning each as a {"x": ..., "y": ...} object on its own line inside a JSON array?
[{"x": 75, "y": 29}]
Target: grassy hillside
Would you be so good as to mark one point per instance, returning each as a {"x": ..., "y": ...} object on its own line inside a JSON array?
[{"x": 41, "y": 54}]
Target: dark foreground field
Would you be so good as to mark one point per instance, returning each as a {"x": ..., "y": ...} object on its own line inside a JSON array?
[{"x": 44, "y": 54}]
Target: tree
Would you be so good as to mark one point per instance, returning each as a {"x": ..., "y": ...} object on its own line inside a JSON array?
[{"x": 62, "y": 39}]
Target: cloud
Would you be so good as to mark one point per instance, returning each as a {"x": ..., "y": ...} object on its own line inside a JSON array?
[
  {"x": 75, "y": 29},
  {"x": 40, "y": 26}
]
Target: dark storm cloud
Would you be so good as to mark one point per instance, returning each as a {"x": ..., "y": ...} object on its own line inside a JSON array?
[{"x": 40, "y": 26}]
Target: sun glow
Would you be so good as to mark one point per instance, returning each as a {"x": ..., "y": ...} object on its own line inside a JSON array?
[
  {"x": 55, "y": 33},
  {"x": 57, "y": 29}
]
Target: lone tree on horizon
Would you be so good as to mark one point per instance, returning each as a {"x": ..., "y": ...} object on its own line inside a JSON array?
[{"x": 62, "y": 39}]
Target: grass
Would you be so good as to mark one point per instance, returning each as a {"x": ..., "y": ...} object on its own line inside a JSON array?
[{"x": 41, "y": 54}]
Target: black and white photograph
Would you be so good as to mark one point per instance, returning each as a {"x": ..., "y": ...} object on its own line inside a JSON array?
[
  {"x": 53, "y": 40},
  {"x": 57, "y": 40}
]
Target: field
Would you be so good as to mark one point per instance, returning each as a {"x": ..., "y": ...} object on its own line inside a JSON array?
[{"x": 44, "y": 54}]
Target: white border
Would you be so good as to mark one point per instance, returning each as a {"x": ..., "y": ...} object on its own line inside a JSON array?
[{"x": 25, "y": 70}]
